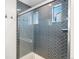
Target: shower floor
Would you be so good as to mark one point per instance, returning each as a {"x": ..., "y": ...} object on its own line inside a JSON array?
[{"x": 32, "y": 55}]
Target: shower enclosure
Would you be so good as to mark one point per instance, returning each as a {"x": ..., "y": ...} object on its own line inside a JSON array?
[{"x": 44, "y": 31}]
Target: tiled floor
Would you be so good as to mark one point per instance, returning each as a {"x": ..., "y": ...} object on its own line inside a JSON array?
[{"x": 32, "y": 55}]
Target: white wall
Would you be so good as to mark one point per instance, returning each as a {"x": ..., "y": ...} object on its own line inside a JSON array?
[
  {"x": 10, "y": 39},
  {"x": 72, "y": 30}
]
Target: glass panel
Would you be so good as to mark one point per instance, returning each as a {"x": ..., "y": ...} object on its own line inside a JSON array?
[
  {"x": 25, "y": 26},
  {"x": 43, "y": 31}
]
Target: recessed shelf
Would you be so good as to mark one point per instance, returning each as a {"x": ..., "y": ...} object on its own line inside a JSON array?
[{"x": 65, "y": 30}]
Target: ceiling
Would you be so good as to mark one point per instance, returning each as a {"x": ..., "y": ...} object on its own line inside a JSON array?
[
  {"x": 22, "y": 7},
  {"x": 31, "y": 2}
]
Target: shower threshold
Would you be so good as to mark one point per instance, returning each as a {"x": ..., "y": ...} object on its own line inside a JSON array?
[{"x": 32, "y": 55}]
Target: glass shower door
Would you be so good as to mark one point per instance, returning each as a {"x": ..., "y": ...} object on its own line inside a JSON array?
[
  {"x": 25, "y": 31},
  {"x": 50, "y": 34},
  {"x": 44, "y": 31}
]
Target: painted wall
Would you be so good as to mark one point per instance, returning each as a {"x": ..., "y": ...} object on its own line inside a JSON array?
[
  {"x": 71, "y": 17},
  {"x": 10, "y": 31}
]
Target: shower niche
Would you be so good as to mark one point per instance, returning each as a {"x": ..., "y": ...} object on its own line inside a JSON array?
[{"x": 43, "y": 31}]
